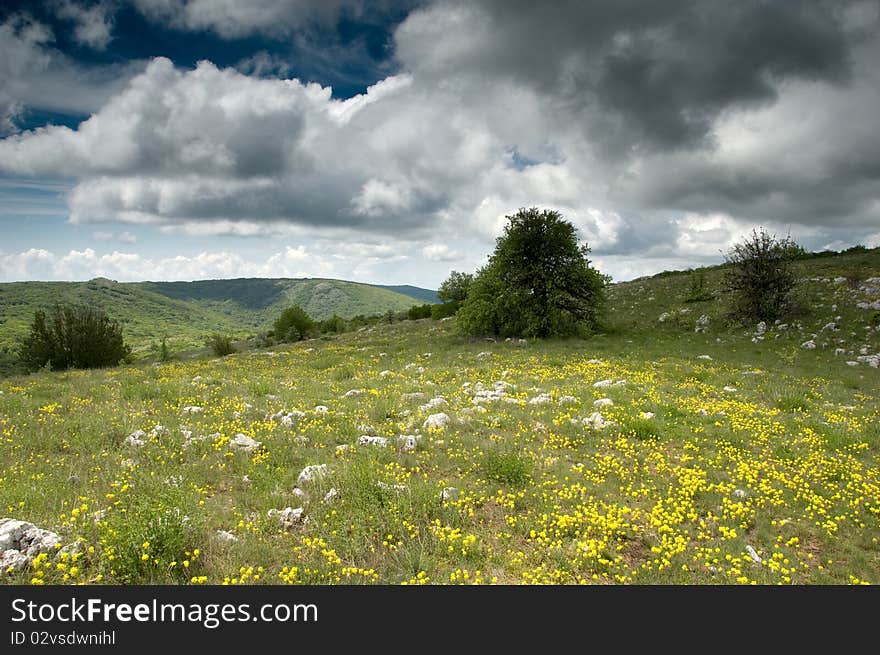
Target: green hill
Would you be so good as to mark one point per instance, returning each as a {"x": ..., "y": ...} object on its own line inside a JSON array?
[{"x": 185, "y": 312}]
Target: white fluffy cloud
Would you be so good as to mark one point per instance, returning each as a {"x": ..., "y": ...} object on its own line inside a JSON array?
[{"x": 636, "y": 126}]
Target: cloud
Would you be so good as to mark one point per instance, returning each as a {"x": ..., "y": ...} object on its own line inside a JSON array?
[
  {"x": 93, "y": 24},
  {"x": 659, "y": 129},
  {"x": 121, "y": 237},
  {"x": 36, "y": 75},
  {"x": 440, "y": 252}
]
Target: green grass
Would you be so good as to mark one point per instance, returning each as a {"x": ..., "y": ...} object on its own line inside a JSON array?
[{"x": 785, "y": 460}]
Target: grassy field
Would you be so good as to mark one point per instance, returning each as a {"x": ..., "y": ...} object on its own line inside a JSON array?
[{"x": 724, "y": 456}]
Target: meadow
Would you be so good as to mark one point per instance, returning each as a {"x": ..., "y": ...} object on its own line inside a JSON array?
[{"x": 670, "y": 449}]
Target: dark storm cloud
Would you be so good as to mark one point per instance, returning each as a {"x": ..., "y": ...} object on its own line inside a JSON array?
[{"x": 659, "y": 128}]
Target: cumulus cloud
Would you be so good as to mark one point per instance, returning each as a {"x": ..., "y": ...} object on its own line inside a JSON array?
[{"x": 663, "y": 129}]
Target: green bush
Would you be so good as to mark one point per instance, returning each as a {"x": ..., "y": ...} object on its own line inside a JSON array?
[
  {"x": 334, "y": 325},
  {"x": 221, "y": 345},
  {"x": 444, "y": 310},
  {"x": 416, "y": 312},
  {"x": 538, "y": 282},
  {"x": 294, "y": 324},
  {"x": 507, "y": 467},
  {"x": 73, "y": 336},
  {"x": 760, "y": 277},
  {"x": 698, "y": 291}
]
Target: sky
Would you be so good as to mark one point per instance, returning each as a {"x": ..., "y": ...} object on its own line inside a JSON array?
[{"x": 386, "y": 142}]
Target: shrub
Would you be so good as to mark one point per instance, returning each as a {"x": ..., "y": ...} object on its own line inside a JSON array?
[
  {"x": 221, "y": 345},
  {"x": 293, "y": 324},
  {"x": 698, "y": 291},
  {"x": 335, "y": 325},
  {"x": 538, "y": 282},
  {"x": 165, "y": 354},
  {"x": 419, "y": 311},
  {"x": 507, "y": 467},
  {"x": 760, "y": 277},
  {"x": 445, "y": 309},
  {"x": 73, "y": 336}
]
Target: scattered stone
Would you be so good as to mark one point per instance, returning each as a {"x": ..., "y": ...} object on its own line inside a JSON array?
[
  {"x": 437, "y": 421},
  {"x": 311, "y": 473},
  {"x": 730, "y": 389},
  {"x": 541, "y": 399},
  {"x": 191, "y": 409},
  {"x": 602, "y": 383},
  {"x": 384, "y": 373},
  {"x": 603, "y": 402},
  {"x": 740, "y": 493},
  {"x": 809, "y": 345},
  {"x": 367, "y": 440},
  {"x": 331, "y": 496},
  {"x": 21, "y": 542},
  {"x": 244, "y": 443},
  {"x": 753, "y": 553},
  {"x": 138, "y": 438},
  {"x": 449, "y": 494},
  {"x": 439, "y": 401},
  {"x": 408, "y": 442},
  {"x": 353, "y": 393},
  {"x": 567, "y": 400},
  {"x": 287, "y": 517},
  {"x": 391, "y": 487},
  {"x": 224, "y": 535},
  {"x": 321, "y": 409},
  {"x": 407, "y": 397},
  {"x": 646, "y": 415},
  {"x": 596, "y": 421},
  {"x": 706, "y": 357}
]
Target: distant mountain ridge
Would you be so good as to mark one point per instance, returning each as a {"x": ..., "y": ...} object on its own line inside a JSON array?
[{"x": 186, "y": 311}]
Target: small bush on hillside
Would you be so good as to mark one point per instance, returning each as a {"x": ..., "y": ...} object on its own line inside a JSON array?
[
  {"x": 419, "y": 311},
  {"x": 293, "y": 325},
  {"x": 507, "y": 467},
  {"x": 444, "y": 310},
  {"x": 760, "y": 277},
  {"x": 73, "y": 336},
  {"x": 698, "y": 291},
  {"x": 221, "y": 345},
  {"x": 333, "y": 325}
]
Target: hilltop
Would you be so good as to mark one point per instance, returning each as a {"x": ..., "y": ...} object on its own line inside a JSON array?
[{"x": 186, "y": 311}]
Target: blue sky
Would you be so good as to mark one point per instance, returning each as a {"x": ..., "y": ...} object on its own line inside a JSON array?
[{"x": 386, "y": 141}]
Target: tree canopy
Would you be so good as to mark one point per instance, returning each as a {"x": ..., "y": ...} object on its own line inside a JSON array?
[{"x": 538, "y": 282}]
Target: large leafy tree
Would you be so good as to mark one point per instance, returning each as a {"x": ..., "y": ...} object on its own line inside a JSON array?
[
  {"x": 73, "y": 336},
  {"x": 760, "y": 277},
  {"x": 538, "y": 282}
]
